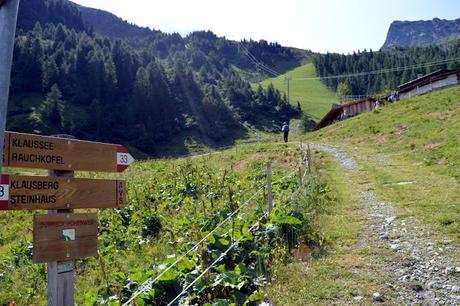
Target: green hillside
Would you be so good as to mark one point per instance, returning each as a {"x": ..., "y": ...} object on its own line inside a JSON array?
[
  {"x": 314, "y": 97},
  {"x": 399, "y": 164},
  {"x": 426, "y": 128},
  {"x": 415, "y": 142}
]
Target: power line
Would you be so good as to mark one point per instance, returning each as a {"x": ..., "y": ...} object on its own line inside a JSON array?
[
  {"x": 259, "y": 64},
  {"x": 386, "y": 70}
]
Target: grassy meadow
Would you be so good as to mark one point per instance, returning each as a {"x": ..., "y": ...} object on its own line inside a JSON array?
[
  {"x": 407, "y": 153},
  {"x": 314, "y": 97},
  {"x": 174, "y": 203},
  {"x": 306, "y": 252},
  {"x": 414, "y": 141}
]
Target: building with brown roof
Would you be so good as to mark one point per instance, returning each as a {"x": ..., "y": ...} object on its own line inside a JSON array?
[
  {"x": 433, "y": 81},
  {"x": 344, "y": 111}
]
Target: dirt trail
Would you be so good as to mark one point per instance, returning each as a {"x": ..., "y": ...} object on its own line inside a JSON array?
[{"x": 414, "y": 268}]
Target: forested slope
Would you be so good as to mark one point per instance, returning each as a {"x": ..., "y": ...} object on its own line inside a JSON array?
[
  {"x": 136, "y": 86},
  {"x": 389, "y": 68}
]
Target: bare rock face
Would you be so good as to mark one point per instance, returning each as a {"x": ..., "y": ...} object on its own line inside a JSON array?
[{"x": 421, "y": 33}]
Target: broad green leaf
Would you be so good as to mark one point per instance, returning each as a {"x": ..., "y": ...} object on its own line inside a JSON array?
[
  {"x": 171, "y": 274},
  {"x": 240, "y": 269},
  {"x": 288, "y": 220},
  {"x": 220, "y": 302},
  {"x": 224, "y": 241},
  {"x": 256, "y": 296},
  {"x": 186, "y": 264},
  {"x": 220, "y": 268}
]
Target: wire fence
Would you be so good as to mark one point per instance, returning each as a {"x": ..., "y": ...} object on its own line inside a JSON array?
[
  {"x": 233, "y": 245},
  {"x": 148, "y": 284}
]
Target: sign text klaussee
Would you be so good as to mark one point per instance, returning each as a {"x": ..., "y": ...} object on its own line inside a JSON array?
[{"x": 46, "y": 152}]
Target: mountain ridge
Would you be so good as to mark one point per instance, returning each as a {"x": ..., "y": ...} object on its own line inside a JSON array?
[
  {"x": 421, "y": 33},
  {"x": 108, "y": 23}
]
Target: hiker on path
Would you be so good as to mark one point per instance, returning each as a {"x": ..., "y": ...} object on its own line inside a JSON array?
[{"x": 285, "y": 130}]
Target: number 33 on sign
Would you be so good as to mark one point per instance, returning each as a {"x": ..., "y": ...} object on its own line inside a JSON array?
[{"x": 124, "y": 159}]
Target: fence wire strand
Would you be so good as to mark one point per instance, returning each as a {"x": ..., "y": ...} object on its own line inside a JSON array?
[
  {"x": 147, "y": 285},
  {"x": 234, "y": 244}
]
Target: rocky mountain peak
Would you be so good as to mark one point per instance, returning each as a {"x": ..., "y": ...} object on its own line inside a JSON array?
[{"x": 421, "y": 33}]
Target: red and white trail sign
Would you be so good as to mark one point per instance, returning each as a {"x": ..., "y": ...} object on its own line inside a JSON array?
[
  {"x": 124, "y": 159},
  {"x": 4, "y": 192}
]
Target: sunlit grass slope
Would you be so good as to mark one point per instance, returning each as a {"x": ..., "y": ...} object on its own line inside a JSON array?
[
  {"x": 425, "y": 128},
  {"x": 414, "y": 141},
  {"x": 314, "y": 97},
  {"x": 407, "y": 153}
]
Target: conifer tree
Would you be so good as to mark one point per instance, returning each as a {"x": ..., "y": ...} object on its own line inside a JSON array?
[{"x": 53, "y": 108}]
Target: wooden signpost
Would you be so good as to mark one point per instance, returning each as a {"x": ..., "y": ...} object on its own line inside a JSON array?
[
  {"x": 37, "y": 192},
  {"x": 62, "y": 236},
  {"x": 44, "y": 152}
]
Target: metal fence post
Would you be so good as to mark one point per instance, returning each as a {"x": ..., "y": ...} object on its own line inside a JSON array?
[{"x": 8, "y": 18}]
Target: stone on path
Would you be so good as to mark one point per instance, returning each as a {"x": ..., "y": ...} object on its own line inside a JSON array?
[{"x": 377, "y": 297}]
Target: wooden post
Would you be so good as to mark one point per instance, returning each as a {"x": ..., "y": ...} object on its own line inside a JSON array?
[
  {"x": 309, "y": 158},
  {"x": 269, "y": 188},
  {"x": 54, "y": 242},
  {"x": 61, "y": 274},
  {"x": 300, "y": 176}
]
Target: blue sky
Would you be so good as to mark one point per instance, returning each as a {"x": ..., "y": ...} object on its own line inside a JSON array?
[{"x": 325, "y": 25}]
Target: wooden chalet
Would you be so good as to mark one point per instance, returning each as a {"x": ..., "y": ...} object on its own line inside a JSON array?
[
  {"x": 344, "y": 111},
  {"x": 430, "y": 82}
]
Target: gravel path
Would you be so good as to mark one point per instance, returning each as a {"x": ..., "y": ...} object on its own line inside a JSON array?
[{"x": 421, "y": 271}]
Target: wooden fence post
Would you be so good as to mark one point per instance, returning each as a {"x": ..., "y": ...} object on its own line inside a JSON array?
[
  {"x": 309, "y": 158},
  {"x": 300, "y": 176},
  {"x": 269, "y": 188},
  {"x": 61, "y": 274}
]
